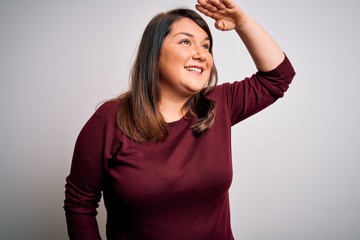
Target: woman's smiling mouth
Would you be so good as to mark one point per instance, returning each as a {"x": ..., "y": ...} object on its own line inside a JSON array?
[{"x": 194, "y": 69}]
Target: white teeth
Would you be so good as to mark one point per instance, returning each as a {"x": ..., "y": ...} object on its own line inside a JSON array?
[{"x": 194, "y": 69}]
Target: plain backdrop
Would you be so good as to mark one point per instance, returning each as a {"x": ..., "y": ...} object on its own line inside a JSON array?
[{"x": 296, "y": 164}]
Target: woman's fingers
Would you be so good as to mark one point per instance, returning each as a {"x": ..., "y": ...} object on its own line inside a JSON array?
[
  {"x": 225, "y": 12},
  {"x": 208, "y": 6}
]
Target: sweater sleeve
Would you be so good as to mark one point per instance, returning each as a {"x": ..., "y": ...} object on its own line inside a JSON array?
[
  {"x": 253, "y": 94},
  {"x": 84, "y": 184}
]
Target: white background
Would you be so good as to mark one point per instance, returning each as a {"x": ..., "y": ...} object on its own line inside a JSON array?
[{"x": 296, "y": 164}]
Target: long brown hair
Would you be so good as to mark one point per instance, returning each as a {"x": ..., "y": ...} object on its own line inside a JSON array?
[{"x": 138, "y": 114}]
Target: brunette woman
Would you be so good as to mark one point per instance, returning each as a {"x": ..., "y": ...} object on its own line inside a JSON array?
[{"x": 161, "y": 152}]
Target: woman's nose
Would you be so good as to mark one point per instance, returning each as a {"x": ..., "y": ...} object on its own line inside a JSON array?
[{"x": 199, "y": 54}]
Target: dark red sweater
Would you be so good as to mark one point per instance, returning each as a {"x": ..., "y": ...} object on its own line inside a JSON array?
[{"x": 177, "y": 189}]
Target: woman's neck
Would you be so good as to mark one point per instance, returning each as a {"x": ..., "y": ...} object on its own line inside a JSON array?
[{"x": 172, "y": 109}]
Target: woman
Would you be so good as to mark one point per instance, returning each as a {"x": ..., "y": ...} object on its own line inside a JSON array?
[{"x": 161, "y": 153}]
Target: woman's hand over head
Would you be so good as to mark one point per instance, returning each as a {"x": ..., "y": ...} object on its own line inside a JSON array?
[{"x": 226, "y": 13}]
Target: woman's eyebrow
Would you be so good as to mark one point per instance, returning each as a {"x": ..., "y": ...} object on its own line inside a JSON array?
[{"x": 189, "y": 35}]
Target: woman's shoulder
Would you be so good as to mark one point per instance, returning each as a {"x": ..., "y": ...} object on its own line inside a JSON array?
[
  {"x": 219, "y": 91},
  {"x": 107, "y": 109}
]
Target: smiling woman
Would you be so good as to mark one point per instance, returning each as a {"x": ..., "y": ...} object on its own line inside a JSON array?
[
  {"x": 163, "y": 89},
  {"x": 161, "y": 152}
]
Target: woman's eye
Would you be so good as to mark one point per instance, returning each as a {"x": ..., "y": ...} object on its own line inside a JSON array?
[
  {"x": 185, "y": 42},
  {"x": 206, "y": 46}
]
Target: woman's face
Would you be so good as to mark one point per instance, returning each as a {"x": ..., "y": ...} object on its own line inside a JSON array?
[{"x": 185, "y": 61}]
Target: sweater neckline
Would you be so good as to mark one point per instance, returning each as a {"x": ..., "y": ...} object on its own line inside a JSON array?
[{"x": 186, "y": 117}]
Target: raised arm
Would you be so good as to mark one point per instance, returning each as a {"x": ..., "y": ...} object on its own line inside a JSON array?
[{"x": 263, "y": 49}]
